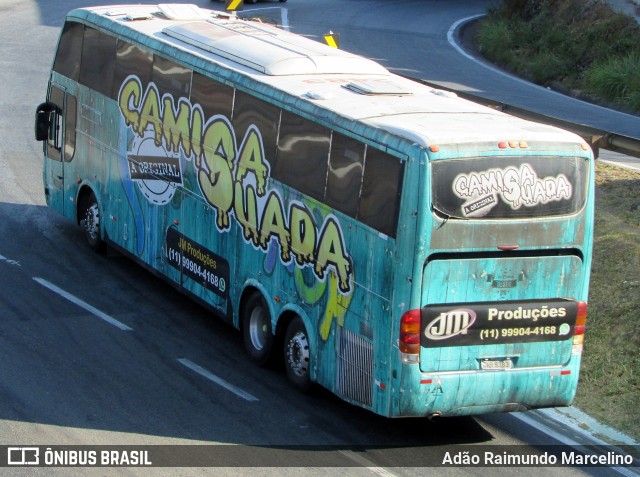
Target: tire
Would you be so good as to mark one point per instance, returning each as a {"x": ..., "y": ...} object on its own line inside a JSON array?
[
  {"x": 91, "y": 222},
  {"x": 297, "y": 356},
  {"x": 256, "y": 330}
]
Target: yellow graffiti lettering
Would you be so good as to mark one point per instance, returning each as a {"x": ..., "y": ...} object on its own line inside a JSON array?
[
  {"x": 337, "y": 305},
  {"x": 303, "y": 234},
  {"x": 150, "y": 114},
  {"x": 331, "y": 252},
  {"x": 252, "y": 160},
  {"x": 216, "y": 181},
  {"x": 234, "y": 182},
  {"x": 273, "y": 224},
  {"x": 175, "y": 127},
  {"x": 129, "y": 100},
  {"x": 246, "y": 211}
]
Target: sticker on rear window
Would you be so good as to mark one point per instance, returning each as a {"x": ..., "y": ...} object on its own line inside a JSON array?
[
  {"x": 502, "y": 188},
  {"x": 516, "y": 187}
]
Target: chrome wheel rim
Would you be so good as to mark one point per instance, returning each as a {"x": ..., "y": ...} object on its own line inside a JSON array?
[
  {"x": 92, "y": 222},
  {"x": 258, "y": 328},
  {"x": 298, "y": 354}
]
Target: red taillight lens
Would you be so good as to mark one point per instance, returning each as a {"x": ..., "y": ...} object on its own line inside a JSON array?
[
  {"x": 410, "y": 332},
  {"x": 581, "y": 319}
]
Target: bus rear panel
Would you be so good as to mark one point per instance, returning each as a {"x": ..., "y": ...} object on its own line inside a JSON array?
[{"x": 502, "y": 285}]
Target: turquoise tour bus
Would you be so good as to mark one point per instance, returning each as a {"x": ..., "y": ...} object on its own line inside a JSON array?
[{"x": 413, "y": 252}]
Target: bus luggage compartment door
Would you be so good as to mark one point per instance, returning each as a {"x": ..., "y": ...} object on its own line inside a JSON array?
[{"x": 499, "y": 313}]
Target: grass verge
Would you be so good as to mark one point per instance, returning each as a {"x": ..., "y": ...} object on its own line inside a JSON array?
[
  {"x": 577, "y": 46},
  {"x": 609, "y": 388}
]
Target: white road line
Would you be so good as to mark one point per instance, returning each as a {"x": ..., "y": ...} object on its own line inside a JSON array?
[
  {"x": 10, "y": 262},
  {"x": 367, "y": 464},
  {"x": 452, "y": 41},
  {"x": 94, "y": 311},
  {"x": 217, "y": 380},
  {"x": 620, "y": 164},
  {"x": 285, "y": 19}
]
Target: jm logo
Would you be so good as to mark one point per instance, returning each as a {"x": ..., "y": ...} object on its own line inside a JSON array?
[
  {"x": 451, "y": 323},
  {"x": 23, "y": 456}
]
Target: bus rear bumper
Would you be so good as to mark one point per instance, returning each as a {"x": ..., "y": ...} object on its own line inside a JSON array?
[{"x": 483, "y": 392}]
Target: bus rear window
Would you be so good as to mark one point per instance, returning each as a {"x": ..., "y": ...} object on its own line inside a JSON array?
[{"x": 503, "y": 188}]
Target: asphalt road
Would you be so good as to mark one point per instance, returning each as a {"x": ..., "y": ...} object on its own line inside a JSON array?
[{"x": 94, "y": 350}]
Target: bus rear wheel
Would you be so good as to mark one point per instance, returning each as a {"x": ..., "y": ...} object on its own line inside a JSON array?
[
  {"x": 256, "y": 330},
  {"x": 90, "y": 222},
  {"x": 297, "y": 356}
]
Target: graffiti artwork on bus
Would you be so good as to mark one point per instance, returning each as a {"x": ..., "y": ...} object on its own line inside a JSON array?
[{"x": 232, "y": 179}]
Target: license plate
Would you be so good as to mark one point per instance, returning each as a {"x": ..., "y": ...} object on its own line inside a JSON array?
[{"x": 496, "y": 364}]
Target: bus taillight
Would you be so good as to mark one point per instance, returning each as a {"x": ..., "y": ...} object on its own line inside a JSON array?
[
  {"x": 410, "y": 332},
  {"x": 578, "y": 334}
]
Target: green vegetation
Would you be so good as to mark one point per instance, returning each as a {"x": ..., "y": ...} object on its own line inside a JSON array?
[
  {"x": 609, "y": 388},
  {"x": 580, "y": 46}
]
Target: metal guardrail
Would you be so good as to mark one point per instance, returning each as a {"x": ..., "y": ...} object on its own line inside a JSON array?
[{"x": 596, "y": 138}]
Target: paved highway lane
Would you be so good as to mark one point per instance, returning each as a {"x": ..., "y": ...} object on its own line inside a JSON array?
[{"x": 95, "y": 350}]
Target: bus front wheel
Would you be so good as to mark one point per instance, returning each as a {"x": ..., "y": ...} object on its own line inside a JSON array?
[
  {"x": 297, "y": 356},
  {"x": 90, "y": 222},
  {"x": 256, "y": 330}
]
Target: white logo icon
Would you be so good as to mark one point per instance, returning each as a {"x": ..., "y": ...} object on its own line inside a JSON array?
[
  {"x": 23, "y": 456},
  {"x": 451, "y": 323}
]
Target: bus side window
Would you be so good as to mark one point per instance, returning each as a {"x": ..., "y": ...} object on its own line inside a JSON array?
[
  {"x": 345, "y": 174},
  {"x": 303, "y": 155},
  {"x": 131, "y": 60},
  {"x": 67, "y": 61},
  {"x": 98, "y": 61},
  {"x": 213, "y": 97},
  {"x": 70, "y": 113},
  {"x": 171, "y": 78},
  {"x": 248, "y": 111},
  {"x": 381, "y": 188}
]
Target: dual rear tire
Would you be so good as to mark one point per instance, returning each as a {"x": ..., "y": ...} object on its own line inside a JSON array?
[
  {"x": 260, "y": 342},
  {"x": 297, "y": 357}
]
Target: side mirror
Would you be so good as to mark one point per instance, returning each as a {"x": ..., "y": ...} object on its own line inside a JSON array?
[{"x": 45, "y": 119}]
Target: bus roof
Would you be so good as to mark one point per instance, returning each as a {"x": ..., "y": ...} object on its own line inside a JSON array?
[{"x": 327, "y": 83}]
